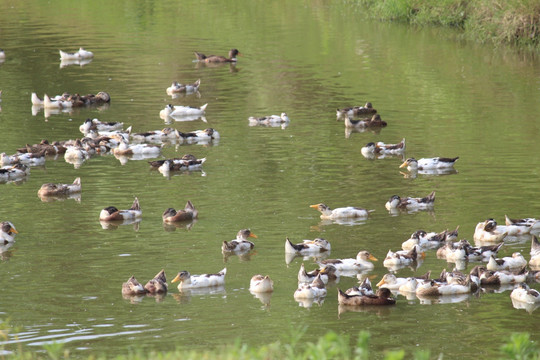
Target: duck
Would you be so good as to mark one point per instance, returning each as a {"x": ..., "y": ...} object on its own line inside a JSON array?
[
  {"x": 488, "y": 231},
  {"x": 59, "y": 103},
  {"x": 172, "y": 111},
  {"x": 341, "y": 213},
  {"x": 261, "y": 284},
  {"x": 307, "y": 247},
  {"x": 133, "y": 287},
  {"x": 188, "y": 161},
  {"x": 402, "y": 258},
  {"x": 392, "y": 282},
  {"x": 463, "y": 250},
  {"x": 315, "y": 289},
  {"x": 367, "y": 109},
  {"x": 177, "y": 164},
  {"x": 156, "y": 135},
  {"x": 111, "y": 213},
  {"x": 241, "y": 243},
  {"x": 516, "y": 261},
  {"x": 365, "y": 288},
  {"x": 7, "y": 232},
  {"x": 51, "y": 189},
  {"x": 411, "y": 203},
  {"x": 374, "y": 121},
  {"x": 80, "y": 54},
  {"x": 435, "y": 163},
  {"x": 434, "y": 288},
  {"x": 233, "y": 53},
  {"x": 15, "y": 172},
  {"x": 201, "y": 135},
  {"x": 188, "y": 213},
  {"x": 44, "y": 145},
  {"x": 30, "y": 159},
  {"x": 95, "y": 124},
  {"x": 425, "y": 241},
  {"x": 177, "y": 88},
  {"x": 383, "y": 296},
  {"x": 525, "y": 294},
  {"x": 269, "y": 120},
  {"x": 371, "y": 149},
  {"x": 499, "y": 277},
  {"x": 328, "y": 273},
  {"x": 158, "y": 285},
  {"x": 535, "y": 253},
  {"x": 361, "y": 263},
  {"x": 76, "y": 152},
  {"x": 533, "y": 223},
  {"x": 2, "y": 55},
  {"x": 126, "y": 149},
  {"x": 410, "y": 285},
  {"x": 188, "y": 281}
]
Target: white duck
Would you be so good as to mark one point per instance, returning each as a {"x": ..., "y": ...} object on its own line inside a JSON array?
[
  {"x": 259, "y": 283},
  {"x": 341, "y": 213},
  {"x": 424, "y": 240},
  {"x": 111, "y": 213},
  {"x": 380, "y": 148},
  {"x": 241, "y": 243},
  {"x": 315, "y": 289},
  {"x": 361, "y": 263},
  {"x": 171, "y": 110},
  {"x": 516, "y": 261},
  {"x": 488, "y": 231},
  {"x": 269, "y": 120},
  {"x": 436, "y": 163},
  {"x": 7, "y": 232},
  {"x": 177, "y": 88},
  {"x": 188, "y": 281},
  {"x": 307, "y": 247},
  {"x": 411, "y": 203},
  {"x": 524, "y": 293}
]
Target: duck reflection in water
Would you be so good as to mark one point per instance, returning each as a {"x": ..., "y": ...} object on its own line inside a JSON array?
[
  {"x": 114, "y": 225},
  {"x": 187, "y": 225},
  {"x": 185, "y": 296}
]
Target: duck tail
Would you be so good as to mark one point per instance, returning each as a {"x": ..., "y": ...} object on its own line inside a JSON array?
[
  {"x": 136, "y": 205},
  {"x": 431, "y": 197},
  {"x": 223, "y": 272},
  {"x": 189, "y": 206},
  {"x": 289, "y": 246},
  {"x": 203, "y": 108},
  {"x": 77, "y": 181},
  {"x": 197, "y": 83},
  {"x": 535, "y": 245}
]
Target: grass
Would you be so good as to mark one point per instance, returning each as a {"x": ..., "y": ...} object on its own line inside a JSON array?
[
  {"x": 515, "y": 22},
  {"x": 330, "y": 346}
]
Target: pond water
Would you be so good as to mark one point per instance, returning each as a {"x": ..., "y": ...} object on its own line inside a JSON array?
[{"x": 62, "y": 278}]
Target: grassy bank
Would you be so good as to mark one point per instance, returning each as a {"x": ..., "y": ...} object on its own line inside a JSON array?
[
  {"x": 515, "y": 22},
  {"x": 329, "y": 346}
]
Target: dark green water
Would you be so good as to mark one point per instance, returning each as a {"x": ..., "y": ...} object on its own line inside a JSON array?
[{"x": 62, "y": 278}]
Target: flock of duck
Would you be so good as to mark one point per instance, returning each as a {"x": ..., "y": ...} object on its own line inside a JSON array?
[{"x": 101, "y": 138}]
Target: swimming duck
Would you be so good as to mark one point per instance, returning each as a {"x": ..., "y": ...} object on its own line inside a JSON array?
[
  {"x": 7, "y": 232},
  {"x": 516, "y": 261},
  {"x": 76, "y": 152},
  {"x": 488, "y": 231},
  {"x": 30, "y": 159},
  {"x": 50, "y": 189},
  {"x": 392, "y": 282},
  {"x": 2, "y": 55},
  {"x": 156, "y": 135},
  {"x": 171, "y": 110},
  {"x": 367, "y": 109},
  {"x": 60, "y": 103},
  {"x": 126, "y": 149},
  {"x": 315, "y": 289},
  {"x": 380, "y": 148},
  {"x": 463, "y": 250},
  {"x": 15, "y": 172},
  {"x": 307, "y": 247},
  {"x": 177, "y": 164},
  {"x": 158, "y": 285},
  {"x": 364, "y": 288},
  {"x": 200, "y": 135},
  {"x": 189, "y": 213},
  {"x": 176, "y": 87},
  {"x": 524, "y": 293},
  {"x": 375, "y": 121},
  {"x": 429, "y": 163},
  {"x": 410, "y": 203},
  {"x": 188, "y": 161},
  {"x": 95, "y": 124},
  {"x": 533, "y": 223},
  {"x": 269, "y": 120},
  {"x": 341, "y": 213},
  {"x": 80, "y": 54},
  {"x": 44, "y": 146},
  {"x": 535, "y": 253},
  {"x": 111, "y": 213},
  {"x": 361, "y": 263},
  {"x": 499, "y": 277},
  {"x": 425, "y": 241},
  {"x": 233, "y": 53},
  {"x": 241, "y": 243},
  {"x": 402, "y": 258},
  {"x": 188, "y": 281},
  {"x": 434, "y": 288},
  {"x": 133, "y": 287},
  {"x": 259, "y": 283},
  {"x": 383, "y": 296},
  {"x": 328, "y": 273}
]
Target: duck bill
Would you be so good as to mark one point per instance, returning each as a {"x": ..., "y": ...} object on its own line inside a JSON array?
[
  {"x": 380, "y": 283},
  {"x": 314, "y": 206},
  {"x": 177, "y": 278},
  {"x": 371, "y": 257},
  {"x": 403, "y": 165},
  {"x": 252, "y": 235},
  {"x": 13, "y": 230}
]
